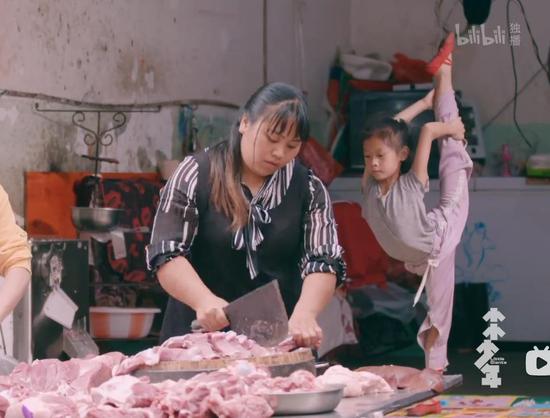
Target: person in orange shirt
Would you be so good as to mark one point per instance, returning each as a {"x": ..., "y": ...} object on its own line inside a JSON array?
[{"x": 15, "y": 258}]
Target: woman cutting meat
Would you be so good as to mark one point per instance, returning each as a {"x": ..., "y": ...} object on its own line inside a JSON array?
[{"x": 245, "y": 212}]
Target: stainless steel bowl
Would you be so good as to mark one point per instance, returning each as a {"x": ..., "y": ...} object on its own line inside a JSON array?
[
  {"x": 96, "y": 219},
  {"x": 316, "y": 402}
]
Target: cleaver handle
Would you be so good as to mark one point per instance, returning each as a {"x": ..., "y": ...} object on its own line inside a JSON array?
[{"x": 196, "y": 326}]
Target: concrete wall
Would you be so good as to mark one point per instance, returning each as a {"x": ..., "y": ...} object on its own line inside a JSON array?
[
  {"x": 131, "y": 51},
  {"x": 483, "y": 73},
  {"x": 326, "y": 29},
  {"x": 127, "y": 51}
]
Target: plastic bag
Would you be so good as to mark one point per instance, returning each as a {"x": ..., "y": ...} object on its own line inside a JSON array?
[{"x": 410, "y": 70}]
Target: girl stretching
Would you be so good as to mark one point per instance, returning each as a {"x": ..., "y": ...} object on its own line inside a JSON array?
[{"x": 394, "y": 203}]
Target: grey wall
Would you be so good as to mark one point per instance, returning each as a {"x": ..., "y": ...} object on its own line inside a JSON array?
[
  {"x": 483, "y": 73},
  {"x": 125, "y": 51}
]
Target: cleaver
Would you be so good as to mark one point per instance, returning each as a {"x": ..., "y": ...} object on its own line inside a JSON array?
[{"x": 260, "y": 315}]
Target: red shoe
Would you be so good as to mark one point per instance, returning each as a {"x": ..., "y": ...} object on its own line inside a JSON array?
[{"x": 442, "y": 56}]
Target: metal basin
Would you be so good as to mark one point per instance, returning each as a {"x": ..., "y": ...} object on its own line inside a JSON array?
[
  {"x": 297, "y": 403},
  {"x": 96, "y": 219}
]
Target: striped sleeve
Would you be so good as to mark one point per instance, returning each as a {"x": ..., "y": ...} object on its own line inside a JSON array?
[
  {"x": 177, "y": 218},
  {"x": 321, "y": 252}
]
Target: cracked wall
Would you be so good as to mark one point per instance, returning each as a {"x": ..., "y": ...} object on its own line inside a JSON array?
[{"x": 112, "y": 52}]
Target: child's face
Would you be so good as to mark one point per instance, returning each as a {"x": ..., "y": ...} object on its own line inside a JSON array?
[{"x": 381, "y": 160}]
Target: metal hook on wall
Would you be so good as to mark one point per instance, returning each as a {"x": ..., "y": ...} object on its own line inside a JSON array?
[{"x": 97, "y": 136}]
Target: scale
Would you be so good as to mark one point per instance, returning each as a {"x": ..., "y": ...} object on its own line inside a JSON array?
[
  {"x": 56, "y": 310},
  {"x": 96, "y": 217},
  {"x": 93, "y": 216}
]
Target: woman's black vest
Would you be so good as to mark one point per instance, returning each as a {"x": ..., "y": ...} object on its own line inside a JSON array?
[{"x": 224, "y": 270}]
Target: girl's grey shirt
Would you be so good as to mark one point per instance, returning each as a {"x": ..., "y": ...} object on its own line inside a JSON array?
[{"x": 399, "y": 219}]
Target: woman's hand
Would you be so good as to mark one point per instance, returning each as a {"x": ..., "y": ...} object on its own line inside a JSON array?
[
  {"x": 304, "y": 329},
  {"x": 210, "y": 314},
  {"x": 428, "y": 100}
]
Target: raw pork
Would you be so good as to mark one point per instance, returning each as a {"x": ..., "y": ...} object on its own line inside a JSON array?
[
  {"x": 100, "y": 386},
  {"x": 400, "y": 377},
  {"x": 125, "y": 391},
  {"x": 356, "y": 383},
  {"x": 195, "y": 347},
  {"x": 298, "y": 381}
]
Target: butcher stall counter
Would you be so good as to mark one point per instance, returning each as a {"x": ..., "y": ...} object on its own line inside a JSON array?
[{"x": 373, "y": 406}]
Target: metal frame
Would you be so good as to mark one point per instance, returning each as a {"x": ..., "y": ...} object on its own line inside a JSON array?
[{"x": 96, "y": 137}]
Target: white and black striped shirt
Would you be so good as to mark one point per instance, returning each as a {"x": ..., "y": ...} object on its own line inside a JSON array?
[{"x": 177, "y": 219}]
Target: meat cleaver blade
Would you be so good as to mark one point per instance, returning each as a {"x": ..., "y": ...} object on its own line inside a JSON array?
[{"x": 260, "y": 315}]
